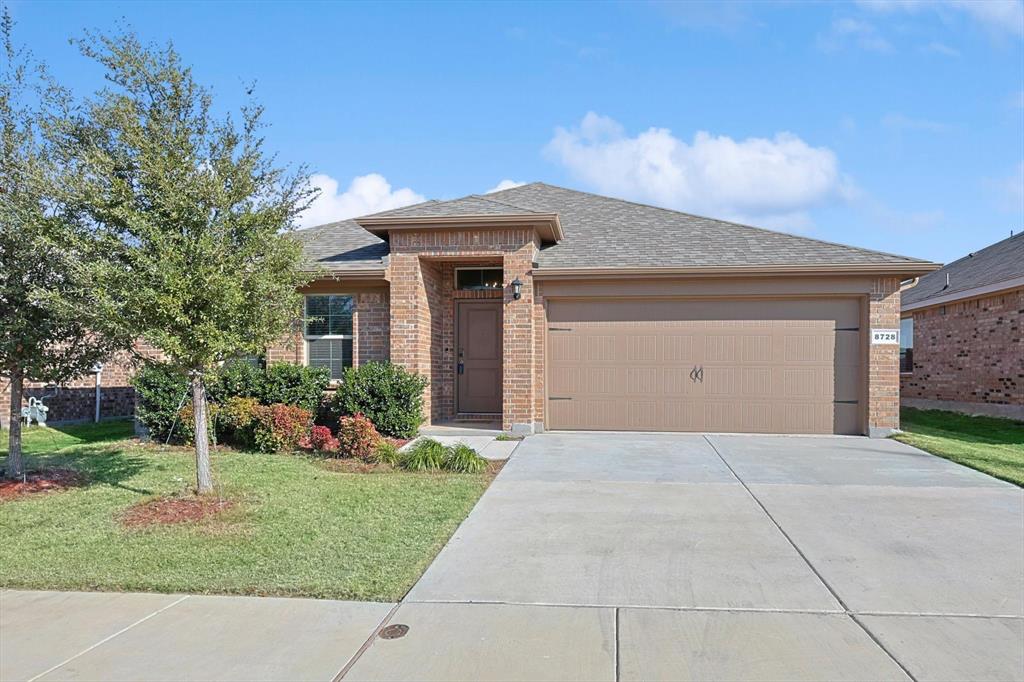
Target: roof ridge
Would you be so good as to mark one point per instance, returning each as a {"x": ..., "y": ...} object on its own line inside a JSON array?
[
  {"x": 720, "y": 220},
  {"x": 503, "y": 203},
  {"x": 974, "y": 254}
]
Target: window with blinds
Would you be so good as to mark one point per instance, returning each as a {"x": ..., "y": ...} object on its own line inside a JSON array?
[{"x": 328, "y": 332}]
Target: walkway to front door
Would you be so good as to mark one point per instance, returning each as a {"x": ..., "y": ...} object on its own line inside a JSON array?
[{"x": 479, "y": 357}]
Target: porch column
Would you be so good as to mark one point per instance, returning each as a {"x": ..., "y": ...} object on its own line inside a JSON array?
[
  {"x": 518, "y": 382},
  {"x": 410, "y": 320}
]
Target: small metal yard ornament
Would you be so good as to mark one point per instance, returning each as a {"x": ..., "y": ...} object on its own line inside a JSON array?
[{"x": 36, "y": 411}]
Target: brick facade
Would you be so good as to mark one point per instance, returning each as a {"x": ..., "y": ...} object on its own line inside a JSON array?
[
  {"x": 75, "y": 400},
  {"x": 969, "y": 352},
  {"x": 423, "y": 298},
  {"x": 883, "y": 360}
]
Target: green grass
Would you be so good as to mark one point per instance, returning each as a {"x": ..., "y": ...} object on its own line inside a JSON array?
[
  {"x": 994, "y": 446},
  {"x": 298, "y": 529}
]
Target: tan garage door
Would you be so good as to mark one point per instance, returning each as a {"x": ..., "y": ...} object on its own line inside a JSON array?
[{"x": 760, "y": 366}]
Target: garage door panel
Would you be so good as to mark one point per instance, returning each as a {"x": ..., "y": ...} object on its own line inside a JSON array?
[{"x": 768, "y": 366}]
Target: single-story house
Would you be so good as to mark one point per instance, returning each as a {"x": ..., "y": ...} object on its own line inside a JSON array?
[
  {"x": 547, "y": 308},
  {"x": 962, "y": 334}
]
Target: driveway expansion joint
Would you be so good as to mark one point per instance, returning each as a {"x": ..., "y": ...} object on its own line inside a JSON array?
[
  {"x": 109, "y": 638},
  {"x": 367, "y": 644},
  {"x": 810, "y": 565}
]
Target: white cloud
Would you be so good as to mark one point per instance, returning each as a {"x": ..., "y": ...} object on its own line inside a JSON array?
[
  {"x": 936, "y": 47},
  {"x": 504, "y": 184},
  {"x": 767, "y": 181},
  {"x": 365, "y": 194},
  {"x": 997, "y": 16},
  {"x": 896, "y": 121},
  {"x": 847, "y": 32}
]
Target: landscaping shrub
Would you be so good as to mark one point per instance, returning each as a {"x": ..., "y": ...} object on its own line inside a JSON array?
[
  {"x": 237, "y": 379},
  {"x": 291, "y": 384},
  {"x": 280, "y": 428},
  {"x": 236, "y": 421},
  {"x": 357, "y": 437},
  {"x": 386, "y": 453},
  {"x": 389, "y": 395},
  {"x": 321, "y": 440},
  {"x": 425, "y": 454},
  {"x": 464, "y": 459},
  {"x": 159, "y": 391},
  {"x": 186, "y": 428}
]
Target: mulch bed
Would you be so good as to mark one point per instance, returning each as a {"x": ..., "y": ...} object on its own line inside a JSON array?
[
  {"x": 398, "y": 442},
  {"x": 173, "y": 510},
  {"x": 48, "y": 481}
]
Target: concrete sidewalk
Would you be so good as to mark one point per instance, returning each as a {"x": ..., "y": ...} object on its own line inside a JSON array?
[{"x": 137, "y": 637}]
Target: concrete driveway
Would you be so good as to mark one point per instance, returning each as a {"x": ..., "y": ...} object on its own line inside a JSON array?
[
  {"x": 622, "y": 557},
  {"x": 656, "y": 556}
]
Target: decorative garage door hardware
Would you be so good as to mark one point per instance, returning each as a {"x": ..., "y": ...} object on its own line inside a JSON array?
[
  {"x": 559, "y": 329},
  {"x": 554, "y": 398},
  {"x": 697, "y": 375}
]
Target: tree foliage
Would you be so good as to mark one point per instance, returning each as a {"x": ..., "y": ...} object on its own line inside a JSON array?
[
  {"x": 51, "y": 329},
  {"x": 193, "y": 210}
]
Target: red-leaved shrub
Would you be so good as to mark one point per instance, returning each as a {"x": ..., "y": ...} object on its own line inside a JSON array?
[
  {"x": 357, "y": 437},
  {"x": 320, "y": 439},
  {"x": 279, "y": 427}
]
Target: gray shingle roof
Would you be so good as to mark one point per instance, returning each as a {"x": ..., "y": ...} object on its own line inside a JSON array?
[
  {"x": 343, "y": 245},
  {"x": 997, "y": 263},
  {"x": 605, "y": 232},
  {"x": 469, "y": 205}
]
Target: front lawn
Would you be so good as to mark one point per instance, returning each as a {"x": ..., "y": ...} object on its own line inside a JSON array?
[
  {"x": 994, "y": 446},
  {"x": 295, "y": 527}
]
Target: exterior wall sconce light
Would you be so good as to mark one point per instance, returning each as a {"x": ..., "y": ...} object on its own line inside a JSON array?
[{"x": 517, "y": 289}]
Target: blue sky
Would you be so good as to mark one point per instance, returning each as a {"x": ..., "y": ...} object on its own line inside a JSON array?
[{"x": 891, "y": 125}]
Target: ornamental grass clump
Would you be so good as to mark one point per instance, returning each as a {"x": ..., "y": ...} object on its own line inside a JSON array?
[
  {"x": 425, "y": 454},
  {"x": 463, "y": 459},
  {"x": 386, "y": 453}
]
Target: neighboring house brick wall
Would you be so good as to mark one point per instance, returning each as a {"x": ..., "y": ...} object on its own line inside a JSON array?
[
  {"x": 883, "y": 360},
  {"x": 75, "y": 400},
  {"x": 969, "y": 352}
]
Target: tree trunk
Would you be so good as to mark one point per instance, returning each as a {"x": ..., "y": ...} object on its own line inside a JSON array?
[
  {"x": 204, "y": 479},
  {"x": 15, "y": 465}
]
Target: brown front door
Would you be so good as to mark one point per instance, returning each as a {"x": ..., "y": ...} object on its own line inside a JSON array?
[{"x": 478, "y": 357}]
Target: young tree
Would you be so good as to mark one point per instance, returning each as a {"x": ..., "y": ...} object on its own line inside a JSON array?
[
  {"x": 49, "y": 330},
  {"x": 195, "y": 212}
]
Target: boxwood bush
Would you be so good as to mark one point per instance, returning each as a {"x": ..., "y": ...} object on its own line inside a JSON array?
[
  {"x": 390, "y": 396},
  {"x": 160, "y": 389}
]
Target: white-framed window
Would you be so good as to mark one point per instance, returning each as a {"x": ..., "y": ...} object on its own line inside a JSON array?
[
  {"x": 327, "y": 330},
  {"x": 907, "y": 344}
]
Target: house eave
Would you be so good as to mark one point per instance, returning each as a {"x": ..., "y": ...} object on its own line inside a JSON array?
[
  {"x": 878, "y": 269},
  {"x": 547, "y": 225},
  {"x": 975, "y": 292}
]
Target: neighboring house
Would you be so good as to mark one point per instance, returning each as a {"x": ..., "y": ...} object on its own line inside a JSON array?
[
  {"x": 548, "y": 308},
  {"x": 102, "y": 394},
  {"x": 962, "y": 329}
]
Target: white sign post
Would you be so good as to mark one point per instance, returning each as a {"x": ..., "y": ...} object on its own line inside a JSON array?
[{"x": 885, "y": 337}]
